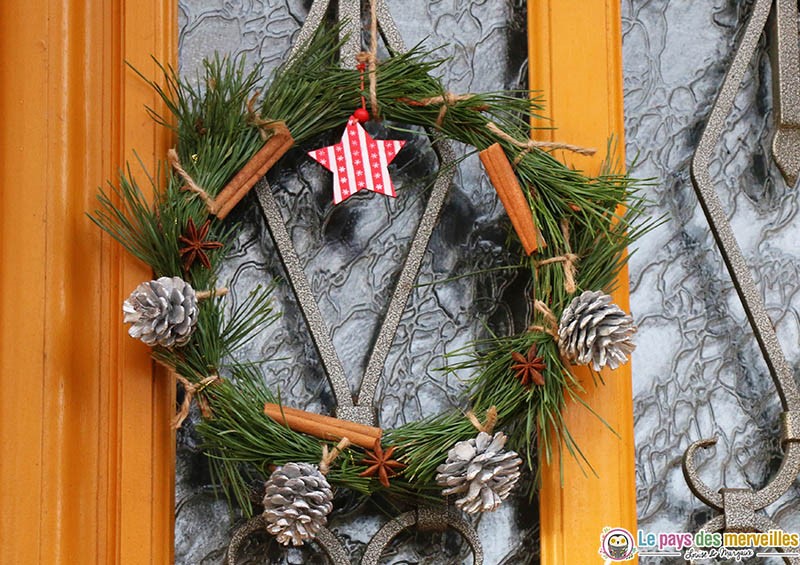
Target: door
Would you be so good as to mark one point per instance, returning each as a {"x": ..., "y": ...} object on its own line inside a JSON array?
[{"x": 698, "y": 370}]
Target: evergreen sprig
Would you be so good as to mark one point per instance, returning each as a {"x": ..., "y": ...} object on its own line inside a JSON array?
[
  {"x": 209, "y": 117},
  {"x": 240, "y": 454}
]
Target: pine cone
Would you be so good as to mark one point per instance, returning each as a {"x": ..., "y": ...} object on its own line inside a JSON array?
[
  {"x": 480, "y": 470},
  {"x": 593, "y": 330},
  {"x": 162, "y": 312},
  {"x": 297, "y": 502}
]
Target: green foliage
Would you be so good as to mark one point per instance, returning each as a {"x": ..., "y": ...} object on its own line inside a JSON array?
[
  {"x": 297, "y": 95},
  {"x": 243, "y": 453},
  {"x": 126, "y": 214},
  {"x": 209, "y": 117}
]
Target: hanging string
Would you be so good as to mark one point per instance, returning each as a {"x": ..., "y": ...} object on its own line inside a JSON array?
[
  {"x": 370, "y": 58},
  {"x": 361, "y": 114},
  {"x": 362, "y": 67}
]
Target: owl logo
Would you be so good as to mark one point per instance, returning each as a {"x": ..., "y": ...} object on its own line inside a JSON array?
[{"x": 616, "y": 544}]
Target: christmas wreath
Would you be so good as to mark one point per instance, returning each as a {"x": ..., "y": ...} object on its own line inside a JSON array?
[{"x": 230, "y": 131}]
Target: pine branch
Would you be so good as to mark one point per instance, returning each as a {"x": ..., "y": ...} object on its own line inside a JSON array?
[
  {"x": 209, "y": 116},
  {"x": 242, "y": 442}
]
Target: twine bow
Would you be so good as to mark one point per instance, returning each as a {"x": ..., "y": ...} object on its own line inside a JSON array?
[
  {"x": 446, "y": 100},
  {"x": 568, "y": 259},
  {"x": 531, "y": 144},
  {"x": 328, "y": 457},
  {"x": 254, "y": 119},
  {"x": 488, "y": 424},
  {"x": 190, "y": 390},
  {"x": 551, "y": 327}
]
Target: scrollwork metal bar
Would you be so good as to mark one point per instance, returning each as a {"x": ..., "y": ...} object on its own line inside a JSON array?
[
  {"x": 426, "y": 519},
  {"x": 408, "y": 276},
  {"x": 320, "y": 334},
  {"x": 325, "y": 539},
  {"x": 786, "y": 90},
  {"x": 739, "y": 506},
  {"x": 718, "y": 220}
]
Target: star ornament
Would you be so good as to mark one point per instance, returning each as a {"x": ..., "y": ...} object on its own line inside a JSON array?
[{"x": 358, "y": 162}]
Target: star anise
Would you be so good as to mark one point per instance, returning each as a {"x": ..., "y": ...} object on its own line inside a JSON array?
[
  {"x": 199, "y": 127},
  {"x": 528, "y": 369},
  {"x": 381, "y": 464},
  {"x": 196, "y": 245}
]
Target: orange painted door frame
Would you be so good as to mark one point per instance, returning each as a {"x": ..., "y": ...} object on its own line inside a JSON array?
[
  {"x": 86, "y": 453},
  {"x": 575, "y": 49}
]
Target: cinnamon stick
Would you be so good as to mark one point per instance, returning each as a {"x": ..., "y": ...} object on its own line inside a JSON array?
[
  {"x": 258, "y": 165},
  {"x": 505, "y": 182},
  {"x": 323, "y": 427},
  {"x": 321, "y": 431},
  {"x": 270, "y": 409}
]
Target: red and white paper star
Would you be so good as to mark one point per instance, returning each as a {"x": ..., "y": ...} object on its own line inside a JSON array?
[{"x": 358, "y": 162}]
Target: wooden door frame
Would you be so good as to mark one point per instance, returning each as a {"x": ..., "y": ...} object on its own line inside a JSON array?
[
  {"x": 575, "y": 54},
  {"x": 86, "y": 453}
]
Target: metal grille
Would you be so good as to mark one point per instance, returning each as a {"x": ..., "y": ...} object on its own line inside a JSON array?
[
  {"x": 706, "y": 377},
  {"x": 351, "y": 256}
]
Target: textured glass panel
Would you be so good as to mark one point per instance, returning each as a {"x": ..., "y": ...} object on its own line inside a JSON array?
[
  {"x": 697, "y": 370},
  {"x": 352, "y": 254}
]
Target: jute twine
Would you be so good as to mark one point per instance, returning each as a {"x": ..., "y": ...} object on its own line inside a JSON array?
[
  {"x": 190, "y": 390},
  {"x": 568, "y": 259},
  {"x": 446, "y": 100},
  {"x": 488, "y": 424},
  {"x": 328, "y": 457},
  {"x": 371, "y": 59},
  {"x": 213, "y": 293},
  {"x": 190, "y": 185},
  {"x": 531, "y": 144},
  {"x": 551, "y": 327},
  {"x": 254, "y": 119}
]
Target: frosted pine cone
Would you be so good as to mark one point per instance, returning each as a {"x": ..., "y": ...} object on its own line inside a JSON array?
[
  {"x": 481, "y": 471},
  {"x": 162, "y": 312},
  {"x": 593, "y": 330},
  {"x": 297, "y": 502}
]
